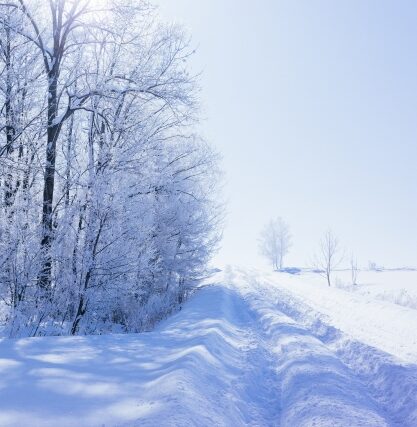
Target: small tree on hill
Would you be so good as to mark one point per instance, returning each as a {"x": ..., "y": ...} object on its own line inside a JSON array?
[
  {"x": 328, "y": 256},
  {"x": 275, "y": 242}
]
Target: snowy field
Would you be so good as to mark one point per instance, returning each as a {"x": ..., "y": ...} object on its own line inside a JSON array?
[
  {"x": 396, "y": 286},
  {"x": 249, "y": 349},
  {"x": 378, "y": 311}
]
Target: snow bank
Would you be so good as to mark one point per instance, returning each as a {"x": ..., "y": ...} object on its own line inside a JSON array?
[
  {"x": 317, "y": 389},
  {"x": 196, "y": 369},
  {"x": 346, "y": 324},
  {"x": 385, "y": 325}
]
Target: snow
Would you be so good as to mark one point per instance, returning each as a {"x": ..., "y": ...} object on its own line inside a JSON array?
[
  {"x": 187, "y": 372},
  {"x": 397, "y": 286},
  {"x": 250, "y": 348},
  {"x": 369, "y": 311},
  {"x": 375, "y": 339}
]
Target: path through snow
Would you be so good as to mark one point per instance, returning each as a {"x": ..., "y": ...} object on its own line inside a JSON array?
[{"x": 230, "y": 357}]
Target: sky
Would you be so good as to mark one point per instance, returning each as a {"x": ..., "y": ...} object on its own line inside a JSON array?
[{"x": 312, "y": 105}]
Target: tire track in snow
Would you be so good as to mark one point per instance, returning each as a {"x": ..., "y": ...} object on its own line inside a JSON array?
[{"x": 255, "y": 393}]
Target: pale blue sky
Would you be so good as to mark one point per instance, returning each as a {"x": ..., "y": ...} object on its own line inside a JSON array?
[{"x": 313, "y": 105}]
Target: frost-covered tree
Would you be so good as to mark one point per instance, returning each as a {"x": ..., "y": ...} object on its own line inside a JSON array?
[
  {"x": 275, "y": 242},
  {"x": 108, "y": 196}
]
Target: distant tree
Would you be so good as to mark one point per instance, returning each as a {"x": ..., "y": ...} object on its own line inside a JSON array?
[
  {"x": 275, "y": 242},
  {"x": 354, "y": 269},
  {"x": 328, "y": 256},
  {"x": 373, "y": 266}
]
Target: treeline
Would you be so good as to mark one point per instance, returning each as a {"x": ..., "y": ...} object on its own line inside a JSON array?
[{"x": 107, "y": 195}]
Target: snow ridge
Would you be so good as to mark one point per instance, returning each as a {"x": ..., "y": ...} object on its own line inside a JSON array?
[{"x": 390, "y": 382}]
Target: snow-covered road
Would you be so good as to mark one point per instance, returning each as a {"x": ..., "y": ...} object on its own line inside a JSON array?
[{"x": 240, "y": 353}]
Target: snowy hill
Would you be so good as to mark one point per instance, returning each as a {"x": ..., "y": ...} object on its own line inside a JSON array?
[{"x": 249, "y": 349}]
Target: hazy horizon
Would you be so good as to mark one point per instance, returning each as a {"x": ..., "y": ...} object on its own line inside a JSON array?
[{"x": 312, "y": 106}]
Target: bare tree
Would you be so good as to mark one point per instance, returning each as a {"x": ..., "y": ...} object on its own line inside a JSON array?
[
  {"x": 329, "y": 255},
  {"x": 354, "y": 269},
  {"x": 275, "y": 242}
]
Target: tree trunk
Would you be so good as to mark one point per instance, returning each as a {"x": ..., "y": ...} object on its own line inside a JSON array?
[
  {"x": 10, "y": 129},
  {"x": 49, "y": 181}
]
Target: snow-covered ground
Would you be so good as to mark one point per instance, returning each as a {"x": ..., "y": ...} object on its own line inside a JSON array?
[
  {"x": 374, "y": 338},
  {"x": 371, "y": 311},
  {"x": 396, "y": 286},
  {"x": 251, "y": 348}
]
